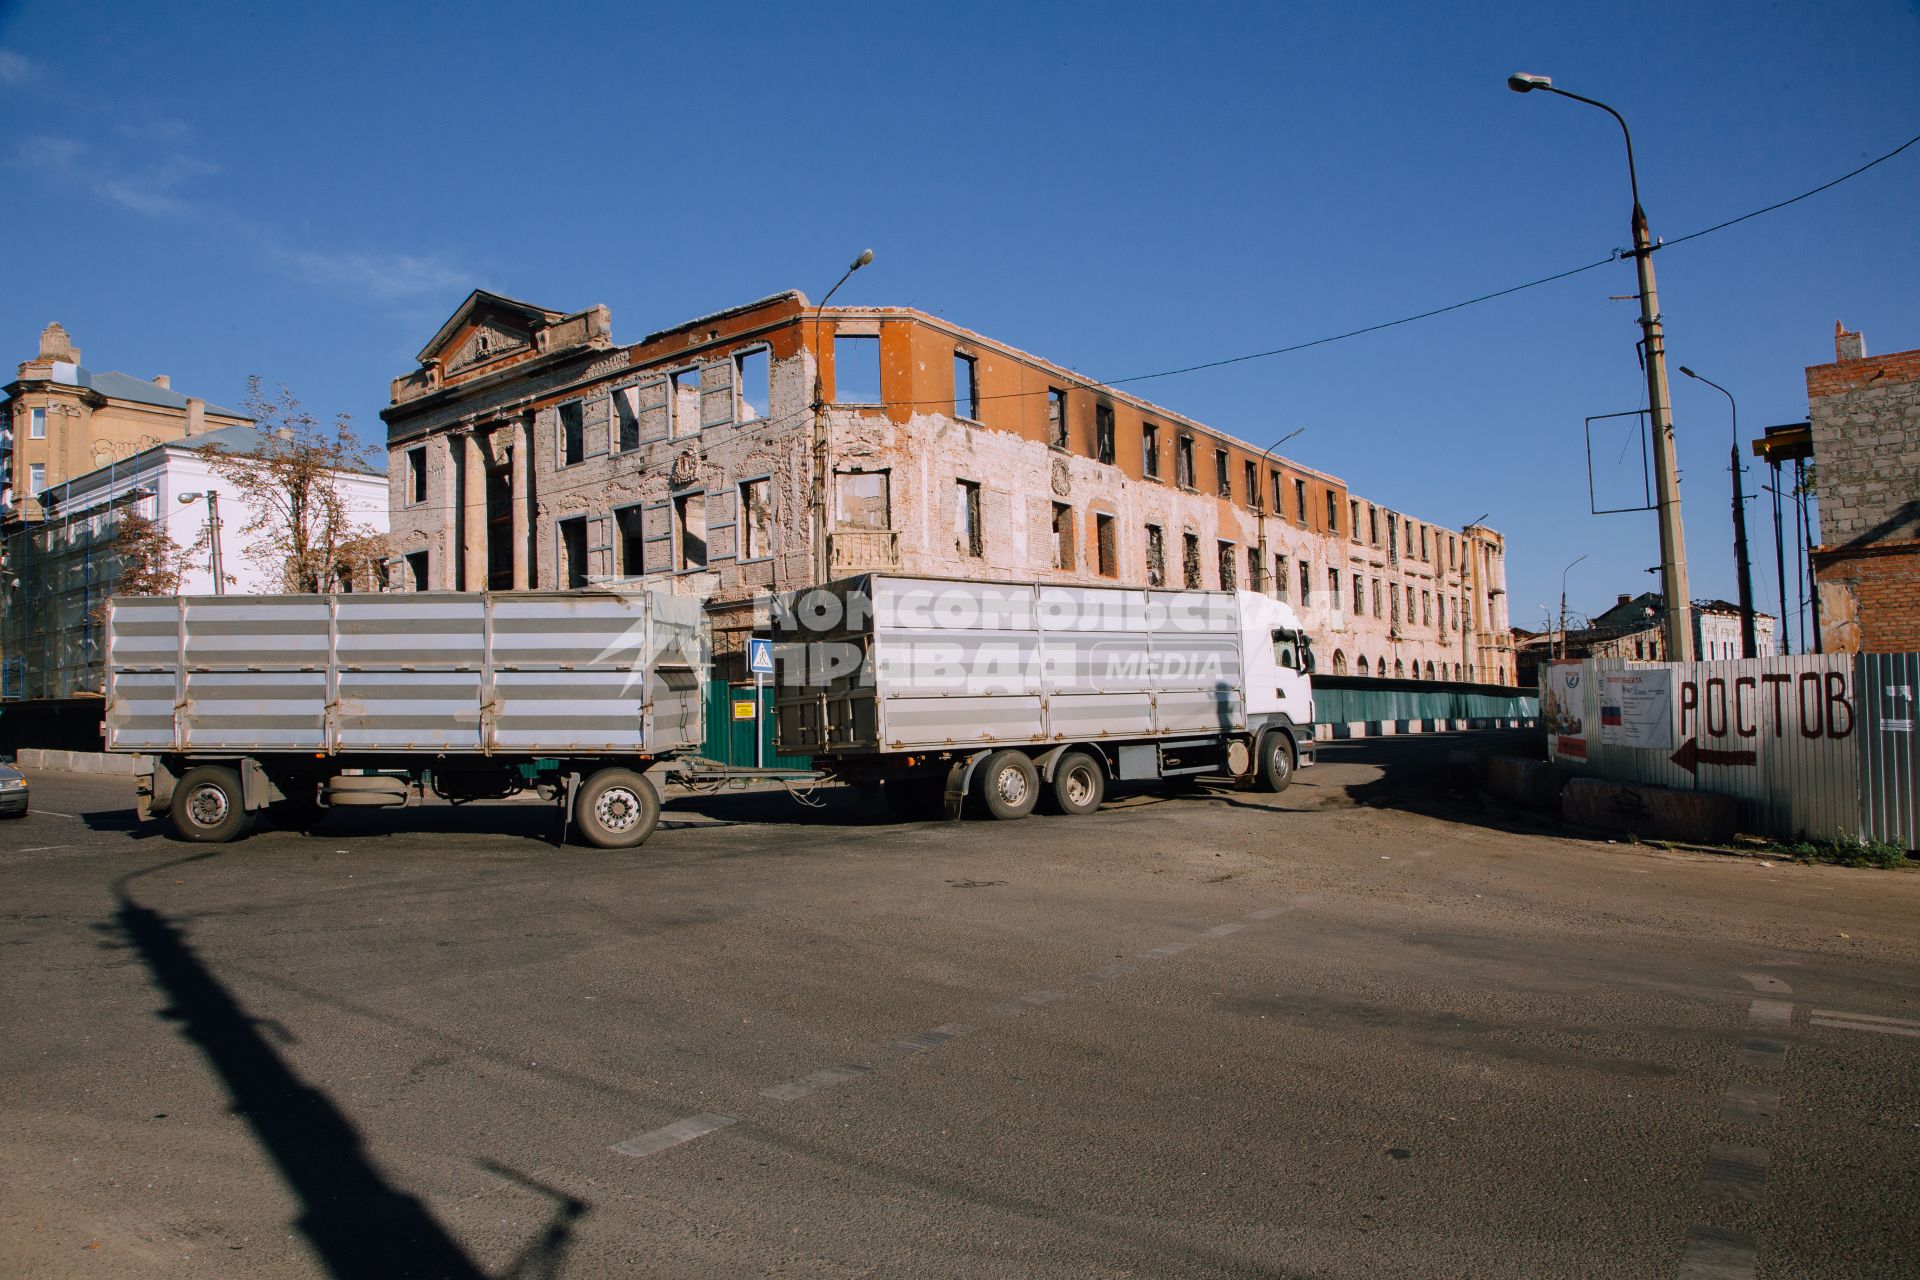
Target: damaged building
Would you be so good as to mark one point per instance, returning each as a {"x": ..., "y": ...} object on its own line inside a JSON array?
[{"x": 530, "y": 451}]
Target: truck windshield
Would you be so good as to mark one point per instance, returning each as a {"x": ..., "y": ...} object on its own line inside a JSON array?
[{"x": 1286, "y": 649}]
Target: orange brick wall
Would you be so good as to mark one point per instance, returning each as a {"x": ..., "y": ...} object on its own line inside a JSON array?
[{"x": 1870, "y": 603}]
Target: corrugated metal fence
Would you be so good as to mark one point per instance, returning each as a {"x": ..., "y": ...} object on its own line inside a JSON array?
[{"x": 1815, "y": 745}]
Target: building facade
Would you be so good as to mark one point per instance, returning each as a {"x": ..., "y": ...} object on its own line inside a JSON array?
[
  {"x": 60, "y": 420},
  {"x": 529, "y": 450},
  {"x": 1633, "y": 629},
  {"x": 1864, "y": 413},
  {"x": 62, "y": 566}
]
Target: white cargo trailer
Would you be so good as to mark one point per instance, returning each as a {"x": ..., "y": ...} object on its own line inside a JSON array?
[
  {"x": 292, "y": 704},
  {"x": 1017, "y": 692}
]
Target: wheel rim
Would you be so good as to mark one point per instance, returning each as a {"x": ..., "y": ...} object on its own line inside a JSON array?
[
  {"x": 1079, "y": 786},
  {"x": 207, "y": 805},
  {"x": 618, "y": 809},
  {"x": 1282, "y": 761},
  {"x": 1011, "y": 785}
]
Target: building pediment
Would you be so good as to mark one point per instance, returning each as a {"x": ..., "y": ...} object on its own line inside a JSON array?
[{"x": 485, "y": 327}]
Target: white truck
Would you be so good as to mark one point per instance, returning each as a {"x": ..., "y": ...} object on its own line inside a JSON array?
[
  {"x": 1016, "y": 692},
  {"x": 937, "y": 689}
]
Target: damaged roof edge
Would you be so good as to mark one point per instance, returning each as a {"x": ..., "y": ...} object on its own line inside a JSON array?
[{"x": 784, "y": 295}]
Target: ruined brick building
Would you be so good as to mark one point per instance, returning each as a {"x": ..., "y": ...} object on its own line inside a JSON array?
[
  {"x": 1864, "y": 412},
  {"x": 529, "y": 450}
]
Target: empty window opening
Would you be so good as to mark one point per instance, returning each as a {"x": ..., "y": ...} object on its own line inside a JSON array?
[
  {"x": 1279, "y": 495},
  {"x": 1222, "y": 477},
  {"x": 861, "y": 500},
  {"x": 753, "y": 385},
  {"x": 1156, "y": 556},
  {"x": 690, "y": 531},
  {"x": 1333, "y": 512},
  {"x": 573, "y": 431},
  {"x": 631, "y": 527},
  {"x": 966, "y": 388},
  {"x": 416, "y": 475},
  {"x": 416, "y": 570},
  {"x": 686, "y": 402},
  {"x": 756, "y": 519},
  {"x": 1229, "y": 571},
  {"x": 1393, "y": 538},
  {"x": 1107, "y": 553},
  {"x": 1183, "y": 462},
  {"x": 1376, "y": 597},
  {"x": 1150, "y": 451},
  {"x": 573, "y": 551},
  {"x": 966, "y": 515},
  {"x": 1353, "y": 517},
  {"x": 1363, "y": 666},
  {"x": 626, "y": 418},
  {"x": 1056, "y": 417},
  {"x": 1251, "y": 483},
  {"x": 856, "y": 368},
  {"x": 1300, "y": 500},
  {"x": 1190, "y": 560},
  {"x": 1062, "y": 536},
  {"x": 1103, "y": 433},
  {"x": 1306, "y": 583},
  {"x": 1253, "y": 568}
]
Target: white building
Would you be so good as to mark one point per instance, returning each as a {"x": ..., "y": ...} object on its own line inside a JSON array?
[
  {"x": 1716, "y": 631},
  {"x": 60, "y": 569}
]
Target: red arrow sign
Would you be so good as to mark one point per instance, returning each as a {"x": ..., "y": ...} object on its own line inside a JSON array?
[{"x": 1691, "y": 755}]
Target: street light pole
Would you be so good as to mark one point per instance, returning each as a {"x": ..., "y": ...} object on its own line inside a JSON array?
[
  {"x": 1563, "y": 605},
  {"x": 1749, "y": 647},
  {"x": 213, "y": 536},
  {"x": 1666, "y": 476},
  {"x": 822, "y": 557},
  {"x": 1263, "y": 570}
]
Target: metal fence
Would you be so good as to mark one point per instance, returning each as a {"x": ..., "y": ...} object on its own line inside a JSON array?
[{"x": 1813, "y": 746}]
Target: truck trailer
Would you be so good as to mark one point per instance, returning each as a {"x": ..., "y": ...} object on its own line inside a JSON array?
[{"x": 935, "y": 690}]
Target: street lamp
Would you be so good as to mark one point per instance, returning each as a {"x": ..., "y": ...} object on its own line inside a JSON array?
[
  {"x": 1749, "y": 647},
  {"x": 213, "y": 534},
  {"x": 1563, "y": 605},
  {"x": 1666, "y": 478},
  {"x": 822, "y": 560},
  {"x": 1262, "y": 573}
]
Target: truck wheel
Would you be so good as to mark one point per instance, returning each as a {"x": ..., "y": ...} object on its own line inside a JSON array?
[
  {"x": 207, "y": 806},
  {"x": 1079, "y": 783},
  {"x": 1009, "y": 784},
  {"x": 616, "y": 809},
  {"x": 1276, "y": 762}
]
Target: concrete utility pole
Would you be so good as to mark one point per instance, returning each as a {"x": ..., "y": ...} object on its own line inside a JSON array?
[
  {"x": 822, "y": 556},
  {"x": 1666, "y": 475},
  {"x": 1742, "y": 566},
  {"x": 1263, "y": 570},
  {"x": 213, "y": 535}
]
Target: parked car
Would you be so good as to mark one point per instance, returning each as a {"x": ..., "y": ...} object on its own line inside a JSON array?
[{"x": 13, "y": 793}]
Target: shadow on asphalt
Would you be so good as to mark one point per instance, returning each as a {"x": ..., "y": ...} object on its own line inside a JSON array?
[
  {"x": 357, "y": 1223},
  {"x": 1414, "y": 776}
]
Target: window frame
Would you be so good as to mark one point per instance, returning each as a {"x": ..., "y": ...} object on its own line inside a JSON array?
[
  {"x": 416, "y": 480},
  {"x": 741, "y": 524}
]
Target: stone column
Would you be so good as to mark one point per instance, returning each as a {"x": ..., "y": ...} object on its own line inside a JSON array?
[
  {"x": 521, "y": 438},
  {"x": 473, "y": 535},
  {"x": 441, "y": 575}
]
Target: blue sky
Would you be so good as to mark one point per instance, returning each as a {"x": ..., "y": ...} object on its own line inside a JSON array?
[{"x": 306, "y": 192}]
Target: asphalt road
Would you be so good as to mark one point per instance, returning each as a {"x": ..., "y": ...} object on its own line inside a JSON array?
[{"x": 1359, "y": 1029}]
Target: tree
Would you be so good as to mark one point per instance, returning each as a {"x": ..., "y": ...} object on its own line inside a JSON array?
[
  {"x": 149, "y": 560},
  {"x": 298, "y": 524}
]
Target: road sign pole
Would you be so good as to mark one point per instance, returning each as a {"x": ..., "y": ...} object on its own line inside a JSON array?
[{"x": 759, "y": 730}]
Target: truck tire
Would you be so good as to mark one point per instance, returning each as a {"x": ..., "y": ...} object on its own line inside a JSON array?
[
  {"x": 1079, "y": 783},
  {"x": 206, "y": 806},
  {"x": 616, "y": 809},
  {"x": 1276, "y": 762},
  {"x": 1009, "y": 784}
]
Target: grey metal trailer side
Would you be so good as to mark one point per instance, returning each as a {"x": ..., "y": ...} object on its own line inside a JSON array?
[
  {"x": 293, "y": 704},
  {"x": 941, "y": 688}
]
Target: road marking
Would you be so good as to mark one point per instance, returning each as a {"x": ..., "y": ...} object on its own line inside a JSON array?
[
  {"x": 1033, "y": 999},
  {"x": 42, "y": 848},
  {"x": 1863, "y": 1017},
  {"x": 1768, "y": 983},
  {"x": 1171, "y": 949},
  {"x": 814, "y": 1081},
  {"x": 928, "y": 1040},
  {"x": 1777, "y": 1013},
  {"x": 1762, "y": 1053},
  {"x": 1849, "y": 1025},
  {"x": 1714, "y": 1254},
  {"x": 1222, "y": 930},
  {"x": 1749, "y": 1104},
  {"x": 51, "y": 813},
  {"x": 673, "y": 1135},
  {"x": 1265, "y": 913},
  {"x": 1734, "y": 1173},
  {"x": 1108, "y": 974}
]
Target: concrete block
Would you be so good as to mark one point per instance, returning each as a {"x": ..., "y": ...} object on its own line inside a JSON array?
[
  {"x": 1704, "y": 817},
  {"x": 1521, "y": 781},
  {"x": 81, "y": 761},
  {"x": 1466, "y": 766}
]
